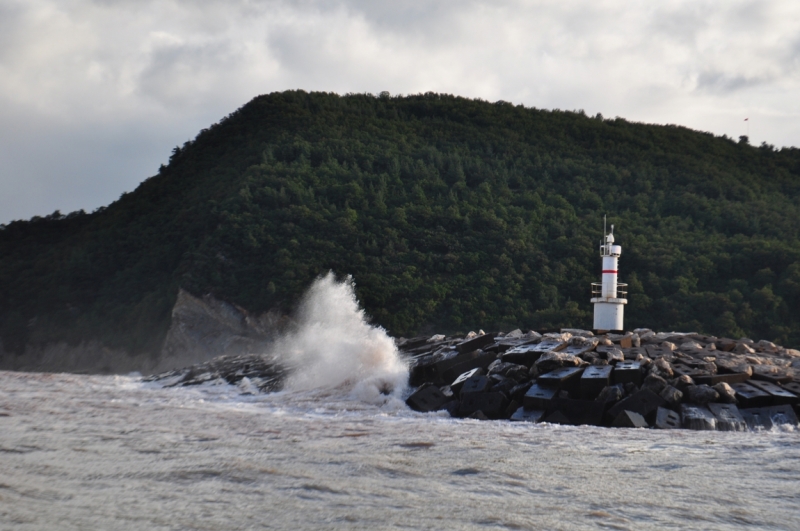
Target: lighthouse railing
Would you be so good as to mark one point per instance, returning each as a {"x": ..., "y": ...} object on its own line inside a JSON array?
[{"x": 597, "y": 290}]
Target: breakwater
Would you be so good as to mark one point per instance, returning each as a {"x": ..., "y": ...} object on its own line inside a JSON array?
[{"x": 637, "y": 379}]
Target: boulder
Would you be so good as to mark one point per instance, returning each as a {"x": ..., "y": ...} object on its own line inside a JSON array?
[
  {"x": 556, "y": 360},
  {"x": 726, "y": 392},
  {"x": 671, "y": 395},
  {"x": 701, "y": 394},
  {"x": 654, "y": 382},
  {"x": 610, "y": 394},
  {"x": 683, "y": 382},
  {"x": 662, "y": 367}
]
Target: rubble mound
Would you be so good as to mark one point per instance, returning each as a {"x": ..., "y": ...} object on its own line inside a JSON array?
[
  {"x": 250, "y": 371},
  {"x": 636, "y": 379}
]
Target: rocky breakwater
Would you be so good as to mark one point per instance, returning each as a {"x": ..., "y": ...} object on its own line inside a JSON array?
[{"x": 636, "y": 380}]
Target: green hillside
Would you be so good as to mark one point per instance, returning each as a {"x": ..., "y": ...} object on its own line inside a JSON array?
[{"x": 450, "y": 213}]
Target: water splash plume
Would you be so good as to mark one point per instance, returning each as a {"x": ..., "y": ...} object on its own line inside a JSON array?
[{"x": 333, "y": 346}]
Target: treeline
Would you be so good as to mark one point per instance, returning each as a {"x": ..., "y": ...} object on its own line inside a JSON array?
[{"x": 451, "y": 214}]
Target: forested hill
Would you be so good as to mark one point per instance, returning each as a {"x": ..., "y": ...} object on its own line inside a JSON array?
[{"x": 451, "y": 214}]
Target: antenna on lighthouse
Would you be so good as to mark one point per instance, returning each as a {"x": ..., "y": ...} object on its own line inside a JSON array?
[{"x": 609, "y": 295}]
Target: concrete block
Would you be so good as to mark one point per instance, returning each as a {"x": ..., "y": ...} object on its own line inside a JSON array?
[
  {"x": 644, "y": 402},
  {"x": 477, "y": 342},
  {"x": 538, "y": 397},
  {"x": 576, "y": 412},
  {"x": 518, "y": 392},
  {"x": 479, "y": 415},
  {"x": 522, "y": 355},
  {"x": 427, "y": 398},
  {"x": 493, "y": 405},
  {"x": 697, "y": 418},
  {"x": 757, "y": 418},
  {"x": 792, "y": 387},
  {"x": 629, "y": 419},
  {"x": 502, "y": 384},
  {"x": 628, "y": 372},
  {"x": 681, "y": 369},
  {"x": 728, "y": 378},
  {"x": 611, "y": 353},
  {"x": 475, "y": 384},
  {"x": 557, "y": 417},
  {"x": 550, "y": 345},
  {"x": 779, "y": 394},
  {"x": 594, "y": 379},
  {"x": 459, "y": 382},
  {"x": 769, "y": 373},
  {"x": 634, "y": 353},
  {"x": 767, "y": 417},
  {"x": 448, "y": 370},
  {"x": 567, "y": 378},
  {"x": 511, "y": 407},
  {"x": 749, "y": 397},
  {"x": 666, "y": 419},
  {"x": 728, "y": 417},
  {"x": 783, "y": 414},
  {"x": 527, "y": 415}
]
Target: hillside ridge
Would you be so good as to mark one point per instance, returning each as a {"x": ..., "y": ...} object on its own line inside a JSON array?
[{"x": 449, "y": 213}]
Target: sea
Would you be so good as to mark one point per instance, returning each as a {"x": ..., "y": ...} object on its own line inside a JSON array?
[{"x": 90, "y": 452}]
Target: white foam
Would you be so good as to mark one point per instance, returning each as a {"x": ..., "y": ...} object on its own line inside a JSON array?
[{"x": 334, "y": 346}]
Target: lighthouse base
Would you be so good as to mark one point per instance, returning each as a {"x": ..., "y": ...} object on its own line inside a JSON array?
[{"x": 609, "y": 315}]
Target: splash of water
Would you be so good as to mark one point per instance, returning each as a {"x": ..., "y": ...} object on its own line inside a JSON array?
[{"x": 333, "y": 346}]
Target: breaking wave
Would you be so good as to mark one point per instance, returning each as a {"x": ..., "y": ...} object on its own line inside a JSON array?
[{"x": 332, "y": 345}]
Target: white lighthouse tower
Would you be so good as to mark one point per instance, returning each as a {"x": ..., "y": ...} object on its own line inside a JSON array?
[{"x": 608, "y": 296}]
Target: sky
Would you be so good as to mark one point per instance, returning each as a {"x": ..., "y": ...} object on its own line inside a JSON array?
[{"x": 95, "y": 94}]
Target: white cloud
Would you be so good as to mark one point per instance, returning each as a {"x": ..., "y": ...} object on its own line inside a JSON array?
[{"x": 94, "y": 94}]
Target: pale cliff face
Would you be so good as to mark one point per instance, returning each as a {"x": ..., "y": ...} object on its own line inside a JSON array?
[{"x": 201, "y": 329}]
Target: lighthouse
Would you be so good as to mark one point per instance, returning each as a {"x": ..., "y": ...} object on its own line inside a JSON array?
[{"x": 609, "y": 295}]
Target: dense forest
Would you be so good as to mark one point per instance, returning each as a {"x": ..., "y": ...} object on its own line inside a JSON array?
[{"x": 450, "y": 213}]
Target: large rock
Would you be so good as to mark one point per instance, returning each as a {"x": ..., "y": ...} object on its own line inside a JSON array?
[
  {"x": 726, "y": 392},
  {"x": 204, "y": 328},
  {"x": 701, "y": 394},
  {"x": 556, "y": 360}
]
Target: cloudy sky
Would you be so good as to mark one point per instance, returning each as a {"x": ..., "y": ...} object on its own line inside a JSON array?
[{"x": 94, "y": 94}]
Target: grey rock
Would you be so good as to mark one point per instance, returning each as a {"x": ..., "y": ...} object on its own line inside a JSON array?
[
  {"x": 655, "y": 383},
  {"x": 671, "y": 395},
  {"x": 726, "y": 393},
  {"x": 556, "y": 360},
  {"x": 683, "y": 382},
  {"x": 701, "y": 394},
  {"x": 611, "y": 393},
  {"x": 663, "y": 368}
]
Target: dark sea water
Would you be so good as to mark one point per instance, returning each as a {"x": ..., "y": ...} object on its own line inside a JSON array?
[{"x": 101, "y": 452}]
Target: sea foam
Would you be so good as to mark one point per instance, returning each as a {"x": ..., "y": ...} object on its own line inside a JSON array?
[{"x": 332, "y": 345}]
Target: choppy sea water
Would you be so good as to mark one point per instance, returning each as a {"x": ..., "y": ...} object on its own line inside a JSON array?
[{"x": 104, "y": 452}]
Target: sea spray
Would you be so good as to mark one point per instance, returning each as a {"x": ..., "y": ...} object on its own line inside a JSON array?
[{"x": 332, "y": 345}]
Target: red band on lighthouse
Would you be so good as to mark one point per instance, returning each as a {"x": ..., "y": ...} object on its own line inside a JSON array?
[{"x": 614, "y": 271}]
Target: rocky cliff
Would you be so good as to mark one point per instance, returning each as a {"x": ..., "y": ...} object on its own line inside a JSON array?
[{"x": 202, "y": 328}]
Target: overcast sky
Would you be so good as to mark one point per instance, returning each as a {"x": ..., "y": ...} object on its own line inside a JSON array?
[{"x": 95, "y": 94}]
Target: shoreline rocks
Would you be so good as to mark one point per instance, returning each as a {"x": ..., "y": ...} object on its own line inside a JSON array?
[{"x": 637, "y": 379}]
